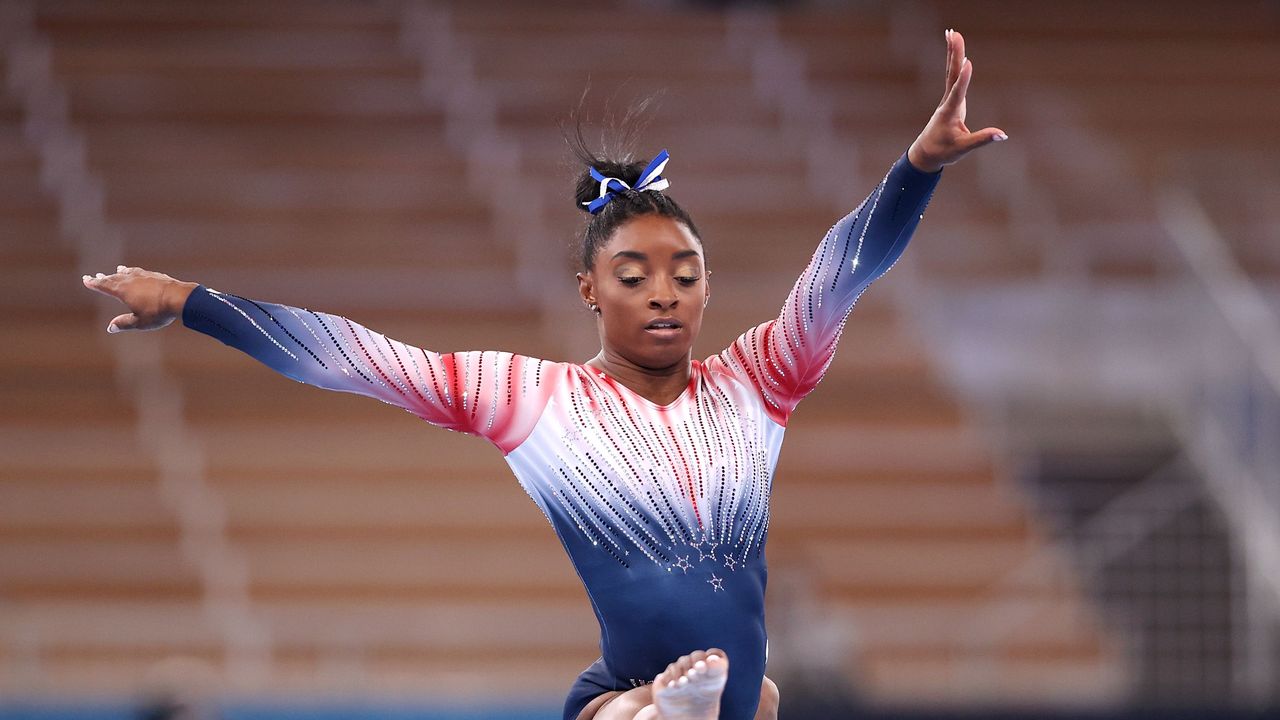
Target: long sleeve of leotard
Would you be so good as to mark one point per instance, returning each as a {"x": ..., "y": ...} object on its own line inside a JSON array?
[
  {"x": 787, "y": 356},
  {"x": 496, "y": 395}
]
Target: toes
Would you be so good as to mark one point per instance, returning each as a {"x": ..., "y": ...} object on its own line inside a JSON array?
[
  {"x": 682, "y": 665},
  {"x": 664, "y": 678},
  {"x": 717, "y": 663},
  {"x": 691, "y": 667}
]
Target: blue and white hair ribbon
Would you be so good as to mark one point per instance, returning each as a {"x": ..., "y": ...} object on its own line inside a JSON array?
[{"x": 650, "y": 179}]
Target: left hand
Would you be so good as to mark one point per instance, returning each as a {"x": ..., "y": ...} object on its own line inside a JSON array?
[{"x": 946, "y": 139}]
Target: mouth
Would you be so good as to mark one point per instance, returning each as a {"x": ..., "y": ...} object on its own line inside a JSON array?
[{"x": 664, "y": 327}]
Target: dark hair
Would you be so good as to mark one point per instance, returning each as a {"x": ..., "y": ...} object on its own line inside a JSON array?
[{"x": 627, "y": 204}]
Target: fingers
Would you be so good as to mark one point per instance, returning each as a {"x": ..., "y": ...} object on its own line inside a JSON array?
[
  {"x": 954, "y": 100},
  {"x": 986, "y": 136},
  {"x": 103, "y": 282},
  {"x": 946, "y": 88},
  {"x": 119, "y": 323},
  {"x": 972, "y": 141},
  {"x": 955, "y": 58}
]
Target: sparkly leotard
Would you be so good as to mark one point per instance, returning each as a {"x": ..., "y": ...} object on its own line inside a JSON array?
[{"x": 663, "y": 510}]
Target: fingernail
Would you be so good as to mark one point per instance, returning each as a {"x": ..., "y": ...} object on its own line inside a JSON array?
[
  {"x": 119, "y": 268},
  {"x": 113, "y": 329},
  {"x": 100, "y": 276},
  {"x": 84, "y": 277},
  {"x": 713, "y": 657},
  {"x": 1001, "y": 137}
]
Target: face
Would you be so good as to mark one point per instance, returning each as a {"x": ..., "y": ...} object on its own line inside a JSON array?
[{"x": 650, "y": 283}]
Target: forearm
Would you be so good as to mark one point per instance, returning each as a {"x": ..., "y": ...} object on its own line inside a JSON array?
[
  {"x": 786, "y": 357},
  {"x": 878, "y": 232},
  {"x": 459, "y": 390},
  {"x": 320, "y": 349},
  {"x": 860, "y": 248}
]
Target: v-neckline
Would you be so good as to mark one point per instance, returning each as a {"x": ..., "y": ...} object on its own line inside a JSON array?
[{"x": 614, "y": 382}]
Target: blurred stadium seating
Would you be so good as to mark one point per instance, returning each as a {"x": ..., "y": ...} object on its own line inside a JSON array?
[{"x": 168, "y": 503}]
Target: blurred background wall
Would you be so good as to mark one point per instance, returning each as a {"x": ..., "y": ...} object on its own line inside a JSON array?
[{"x": 1043, "y": 475}]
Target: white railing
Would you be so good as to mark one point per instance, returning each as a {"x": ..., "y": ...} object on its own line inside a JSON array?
[
  {"x": 1229, "y": 416},
  {"x": 1225, "y": 405},
  {"x": 494, "y": 159},
  {"x": 139, "y": 362}
]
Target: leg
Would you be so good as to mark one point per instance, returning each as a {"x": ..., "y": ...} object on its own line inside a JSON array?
[
  {"x": 620, "y": 705},
  {"x": 689, "y": 689},
  {"x": 768, "y": 701}
]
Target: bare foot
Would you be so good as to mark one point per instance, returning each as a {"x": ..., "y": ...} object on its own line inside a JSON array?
[{"x": 690, "y": 688}]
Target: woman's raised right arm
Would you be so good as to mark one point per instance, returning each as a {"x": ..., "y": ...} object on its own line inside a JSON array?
[{"x": 496, "y": 395}]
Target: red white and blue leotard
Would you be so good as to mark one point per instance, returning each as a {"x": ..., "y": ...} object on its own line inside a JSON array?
[{"x": 663, "y": 510}]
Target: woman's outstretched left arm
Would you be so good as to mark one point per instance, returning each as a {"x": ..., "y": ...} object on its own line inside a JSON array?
[{"x": 786, "y": 357}]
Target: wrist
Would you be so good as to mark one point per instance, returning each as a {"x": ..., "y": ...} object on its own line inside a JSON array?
[
  {"x": 173, "y": 298},
  {"x": 922, "y": 162}
]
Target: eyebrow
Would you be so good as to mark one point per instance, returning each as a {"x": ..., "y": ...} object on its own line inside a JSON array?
[{"x": 642, "y": 256}]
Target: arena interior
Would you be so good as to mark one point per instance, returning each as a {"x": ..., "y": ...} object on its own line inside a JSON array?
[{"x": 1042, "y": 477}]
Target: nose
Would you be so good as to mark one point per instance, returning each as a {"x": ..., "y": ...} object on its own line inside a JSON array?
[{"x": 664, "y": 295}]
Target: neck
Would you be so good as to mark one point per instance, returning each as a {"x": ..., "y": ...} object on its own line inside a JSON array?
[{"x": 657, "y": 385}]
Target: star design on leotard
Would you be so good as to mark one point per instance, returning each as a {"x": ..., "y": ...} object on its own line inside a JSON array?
[
  {"x": 730, "y": 563},
  {"x": 717, "y": 584},
  {"x": 683, "y": 563},
  {"x": 708, "y": 555},
  {"x": 697, "y": 546}
]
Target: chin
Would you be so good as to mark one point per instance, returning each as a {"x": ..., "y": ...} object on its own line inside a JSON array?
[{"x": 659, "y": 359}]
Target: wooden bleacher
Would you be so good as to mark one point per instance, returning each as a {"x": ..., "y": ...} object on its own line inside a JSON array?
[
  {"x": 86, "y": 542},
  {"x": 286, "y": 152}
]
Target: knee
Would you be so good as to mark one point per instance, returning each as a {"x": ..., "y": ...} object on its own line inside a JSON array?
[{"x": 768, "y": 700}]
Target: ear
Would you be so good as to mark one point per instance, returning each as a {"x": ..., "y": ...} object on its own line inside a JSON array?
[
  {"x": 586, "y": 288},
  {"x": 706, "y": 289}
]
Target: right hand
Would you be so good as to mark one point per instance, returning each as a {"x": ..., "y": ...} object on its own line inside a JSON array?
[
  {"x": 154, "y": 299},
  {"x": 946, "y": 138}
]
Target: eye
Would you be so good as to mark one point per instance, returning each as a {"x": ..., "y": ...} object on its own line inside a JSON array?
[
  {"x": 630, "y": 280},
  {"x": 688, "y": 279}
]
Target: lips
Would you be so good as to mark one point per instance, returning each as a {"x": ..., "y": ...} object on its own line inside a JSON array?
[{"x": 664, "y": 323}]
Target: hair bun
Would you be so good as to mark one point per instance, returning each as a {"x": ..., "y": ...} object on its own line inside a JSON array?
[{"x": 588, "y": 188}]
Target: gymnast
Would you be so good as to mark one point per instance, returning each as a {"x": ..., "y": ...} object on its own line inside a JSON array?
[{"x": 654, "y": 468}]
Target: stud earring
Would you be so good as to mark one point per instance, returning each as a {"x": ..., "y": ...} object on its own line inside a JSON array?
[{"x": 594, "y": 307}]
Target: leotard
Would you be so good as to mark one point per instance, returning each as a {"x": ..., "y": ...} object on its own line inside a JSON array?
[{"x": 663, "y": 509}]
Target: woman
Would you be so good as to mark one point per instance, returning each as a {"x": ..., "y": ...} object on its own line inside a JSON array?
[{"x": 653, "y": 468}]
